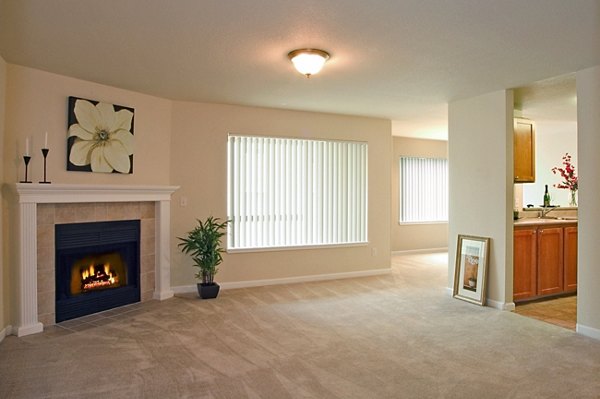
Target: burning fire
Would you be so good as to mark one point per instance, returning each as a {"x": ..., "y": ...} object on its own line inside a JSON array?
[{"x": 98, "y": 276}]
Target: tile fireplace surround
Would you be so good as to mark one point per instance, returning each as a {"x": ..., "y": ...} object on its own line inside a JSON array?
[{"x": 35, "y": 208}]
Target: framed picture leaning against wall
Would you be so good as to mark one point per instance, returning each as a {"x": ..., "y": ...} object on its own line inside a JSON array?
[{"x": 470, "y": 270}]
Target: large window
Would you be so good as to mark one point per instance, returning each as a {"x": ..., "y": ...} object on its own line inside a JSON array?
[
  {"x": 294, "y": 192},
  {"x": 423, "y": 190}
]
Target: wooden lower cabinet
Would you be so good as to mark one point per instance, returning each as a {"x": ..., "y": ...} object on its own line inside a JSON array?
[
  {"x": 544, "y": 261},
  {"x": 550, "y": 261},
  {"x": 525, "y": 269},
  {"x": 570, "y": 259}
]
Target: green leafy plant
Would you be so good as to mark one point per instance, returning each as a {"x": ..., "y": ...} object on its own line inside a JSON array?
[{"x": 203, "y": 244}]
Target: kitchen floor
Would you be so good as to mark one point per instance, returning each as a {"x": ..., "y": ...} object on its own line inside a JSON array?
[{"x": 559, "y": 311}]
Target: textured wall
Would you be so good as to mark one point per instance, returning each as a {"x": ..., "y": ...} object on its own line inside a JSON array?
[
  {"x": 4, "y": 288},
  {"x": 37, "y": 102},
  {"x": 199, "y": 141},
  {"x": 588, "y": 279},
  {"x": 480, "y": 132},
  {"x": 416, "y": 236}
]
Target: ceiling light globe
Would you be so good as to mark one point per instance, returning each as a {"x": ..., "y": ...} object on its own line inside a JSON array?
[{"x": 308, "y": 61}]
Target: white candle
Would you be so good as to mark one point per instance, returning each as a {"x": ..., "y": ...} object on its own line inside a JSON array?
[
  {"x": 46, "y": 140},
  {"x": 26, "y": 146}
]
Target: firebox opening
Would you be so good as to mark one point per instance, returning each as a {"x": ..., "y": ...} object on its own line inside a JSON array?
[
  {"x": 97, "y": 267},
  {"x": 98, "y": 272}
]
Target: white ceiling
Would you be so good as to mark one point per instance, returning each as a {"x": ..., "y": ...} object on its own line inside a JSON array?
[{"x": 399, "y": 60}]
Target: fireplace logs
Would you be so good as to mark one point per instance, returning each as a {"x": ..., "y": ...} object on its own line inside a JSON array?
[{"x": 98, "y": 277}]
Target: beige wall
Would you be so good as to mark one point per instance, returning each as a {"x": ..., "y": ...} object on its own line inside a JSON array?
[
  {"x": 3, "y": 271},
  {"x": 588, "y": 144},
  {"x": 415, "y": 236},
  {"x": 198, "y": 165},
  {"x": 179, "y": 143},
  {"x": 480, "y": 132},
  {"x": 37, "y": 102}
]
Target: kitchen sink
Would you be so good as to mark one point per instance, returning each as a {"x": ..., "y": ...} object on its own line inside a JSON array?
[{"x": 558, "y": 217}]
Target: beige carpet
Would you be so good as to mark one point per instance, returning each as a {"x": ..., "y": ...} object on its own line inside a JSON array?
[{"x": 393, "y": 336}]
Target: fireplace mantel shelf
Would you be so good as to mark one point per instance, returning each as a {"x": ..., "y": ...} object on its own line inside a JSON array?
[
  {"x": 27, "y": 196},
  {"x": 70, "y": 193}
]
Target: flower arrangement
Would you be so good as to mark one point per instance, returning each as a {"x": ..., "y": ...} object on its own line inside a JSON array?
[
  {"x": 567, "y": 173},
  {"x": 570, "y": 180}
]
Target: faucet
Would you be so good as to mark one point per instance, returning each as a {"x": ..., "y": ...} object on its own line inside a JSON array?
[{"x": 545, "y": 211}]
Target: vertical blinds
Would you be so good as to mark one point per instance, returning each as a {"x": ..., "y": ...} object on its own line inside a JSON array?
[
  {"x": 424, "y": 190},
  {"x": 295, "y": 192}
]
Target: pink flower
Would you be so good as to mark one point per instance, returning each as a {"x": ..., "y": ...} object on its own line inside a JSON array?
[{"x": 567, "y": 173}]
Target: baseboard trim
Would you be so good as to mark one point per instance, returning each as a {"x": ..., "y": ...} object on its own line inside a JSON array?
[
  {"x": 182, "y": 289},
  {"x": 588, "y": 331},
  {"x": 28, "y": 330},
  {"x": 509, "y": 306},
  {"x": 420, "y": 251},
  {"x": 4, "y": 332},
  {"x": 162, "y": 295}
]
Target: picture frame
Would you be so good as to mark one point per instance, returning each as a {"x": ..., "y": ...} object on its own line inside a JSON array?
[
  {"x": 100, "y": 136},
  {"x": 470, "y": 270}
]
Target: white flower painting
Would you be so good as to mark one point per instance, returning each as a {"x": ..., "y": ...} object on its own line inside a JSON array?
[{"x": 100, "y": 137}]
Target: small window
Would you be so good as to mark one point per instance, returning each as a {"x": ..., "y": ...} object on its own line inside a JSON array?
[
  {"x": 286, "y": 192},
  {"x": 423, "y": 190}
]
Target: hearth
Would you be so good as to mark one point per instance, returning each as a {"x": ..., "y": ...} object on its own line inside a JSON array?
[{"x": 97, "y": 267}]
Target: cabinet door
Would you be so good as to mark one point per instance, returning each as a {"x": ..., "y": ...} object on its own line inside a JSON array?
[
  {"x": 570, "y": 259},
  {"x": 524, "y": 151},
  {"x": 550, "y": 260},
  {"x": 524, "y": 264}
]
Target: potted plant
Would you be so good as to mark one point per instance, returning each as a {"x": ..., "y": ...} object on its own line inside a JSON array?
[{"x": 203, "y": 244}]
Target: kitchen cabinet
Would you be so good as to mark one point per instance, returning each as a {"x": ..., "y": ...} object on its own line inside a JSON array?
[
  {"x": 524, "y": 151},
  {"x": 544, "y": 260},
  {"x": 525, "y": 268},
  {"x": 570, "y": 259},
  {"x": 550, "y": 260}
]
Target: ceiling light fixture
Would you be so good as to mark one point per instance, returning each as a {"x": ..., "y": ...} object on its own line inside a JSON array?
[{"x": 308, "y": 61}]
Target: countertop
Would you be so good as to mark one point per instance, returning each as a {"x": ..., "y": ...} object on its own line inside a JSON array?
[{"x": 544, "y": 221}]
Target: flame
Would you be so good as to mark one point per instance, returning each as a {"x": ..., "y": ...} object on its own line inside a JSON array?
[{"x": 102, "y": 277}]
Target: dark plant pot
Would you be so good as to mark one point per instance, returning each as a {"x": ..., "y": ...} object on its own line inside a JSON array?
[{"x": 208, "y": 291}]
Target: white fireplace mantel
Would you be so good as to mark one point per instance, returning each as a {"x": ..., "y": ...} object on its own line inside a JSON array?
[
  {"x": 71, "y": 193},
  {"x": 27, "y": 196}
]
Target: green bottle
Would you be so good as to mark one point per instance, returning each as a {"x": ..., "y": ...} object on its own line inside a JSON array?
[{"x": 546, "y": 198}]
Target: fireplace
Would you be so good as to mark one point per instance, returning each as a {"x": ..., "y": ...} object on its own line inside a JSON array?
[
  {"x": 35, "y": 210},
  {"x": 97, "y": 267}
]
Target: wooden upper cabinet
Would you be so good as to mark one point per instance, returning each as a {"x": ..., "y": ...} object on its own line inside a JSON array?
[
  {"x": 524, "y": 151},
  {"x": 525, "y": 263},
  {"x": 550, "y": 260},
  {"x": 570, "y": 259}
]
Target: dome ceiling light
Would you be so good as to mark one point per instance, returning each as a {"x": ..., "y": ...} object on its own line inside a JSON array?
[{"x": 308, "y": 61}]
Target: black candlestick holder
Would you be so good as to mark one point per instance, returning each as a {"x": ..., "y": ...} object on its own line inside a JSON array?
[
  {"x": 45, "y": 154},
  {"x": 26, "y": 159}
]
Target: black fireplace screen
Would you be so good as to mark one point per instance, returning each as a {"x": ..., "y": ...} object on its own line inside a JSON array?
[{"x": 97, "y": 267}]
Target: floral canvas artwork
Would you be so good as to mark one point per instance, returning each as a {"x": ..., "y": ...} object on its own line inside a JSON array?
[{"x": 100, "y": 137}]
